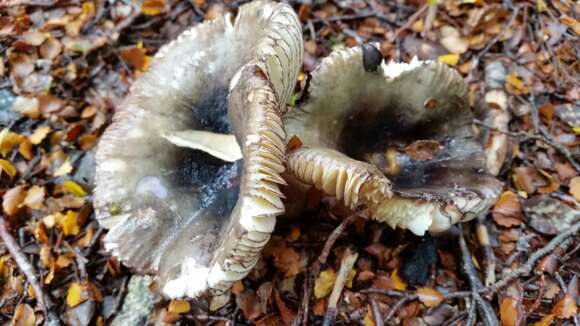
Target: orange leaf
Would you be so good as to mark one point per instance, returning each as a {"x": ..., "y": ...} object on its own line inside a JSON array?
[
  {"x": 398, "y": 281},
  {"x": 508, "y": 312},
  {"x": 12, "y": 200},
  {"x": 153, "y": 7},
  {"x": 507, "y": 211},
  {"x": 546, "y": 321},
  {"x": 429, "y": 296},
  {"x": 566, "y": 307},
  {"x": 294, "y": 143}
]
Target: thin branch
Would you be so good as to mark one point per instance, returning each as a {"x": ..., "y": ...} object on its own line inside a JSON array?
[
  {"x": 28, "y": 271},
  {"x": 527, "y": 136},
  {"x": 346, "y": 265},
  {"x": 484, "y": 308},
  {"x": 528, "y": 266}
]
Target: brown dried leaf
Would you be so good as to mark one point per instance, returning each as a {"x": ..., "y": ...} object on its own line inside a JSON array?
[
  {"x": 429, "y": 296},
  {"x": 546, "y": 320},
  {"x": 288, "y": 315},
  {"x": 12, "y": 200},
  {"x": 566, "y": 307},
  {"x": 507, "y": 211},
  {"x": 35, "y": 197},
  {"x": 575, "y": 188}
]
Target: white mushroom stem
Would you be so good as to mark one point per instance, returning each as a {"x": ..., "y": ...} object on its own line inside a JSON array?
[{"x": 222, "y": 146}]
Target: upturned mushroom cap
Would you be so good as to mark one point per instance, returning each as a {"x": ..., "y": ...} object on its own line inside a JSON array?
[
  {"x": 394, "y": 140},
  {"x": 171, "y": 186}
]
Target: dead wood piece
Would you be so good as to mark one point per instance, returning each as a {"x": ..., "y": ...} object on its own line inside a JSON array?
[{"x": 346, "y": 265}]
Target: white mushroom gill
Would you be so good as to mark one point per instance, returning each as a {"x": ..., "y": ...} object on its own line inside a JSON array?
[
  {"x": 185, "y": 195},
  {"x": 407, "y": 125}
]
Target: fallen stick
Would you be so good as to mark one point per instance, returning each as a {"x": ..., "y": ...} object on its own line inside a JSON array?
[{"x": 30, "y": 273}]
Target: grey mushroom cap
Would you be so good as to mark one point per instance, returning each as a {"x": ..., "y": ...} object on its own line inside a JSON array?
[
  {"x": 187, "y": 174},
  {"x": 395, "y": 142}
]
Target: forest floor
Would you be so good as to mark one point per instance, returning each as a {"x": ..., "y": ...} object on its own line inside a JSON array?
[{"x": 65, "y": 65}]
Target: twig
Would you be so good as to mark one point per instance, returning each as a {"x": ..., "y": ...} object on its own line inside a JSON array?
[
  {"x": 471, "y": 315},
  {"x": 528, "y": 266},
  {"x": 346, "y": 265},
  {"x": 400, "y": 304},
  {"x": 302, "y": 316},
  {"x": 30, "y": 273},
  {"x": 527, "y": 136},
  {"x": 378, "y": 319},
  {"x": 483, "y": 238},
  {"x": 409, "y": 22},
  {"x": 484, "y": 308},
  {"x": 399, "y": 294}
]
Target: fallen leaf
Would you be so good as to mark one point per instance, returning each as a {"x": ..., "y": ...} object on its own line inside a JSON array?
[
  {"x": 69, "y": 223},
  {"x": 136, "y": 57},
  {"x": 450, "y": 59},
  {"x": 566, "y": 307},
  {"x": 288, "y": 315},
  {"x": 12, "y": 200},
  {"x": 515, "y": 85},
  {"x": 76, "y": 294},
  {"x": 546, "y": 320},
  {"x": 153, "y": 7},
  {"x": 429, "y": 296},
  {"x": 64, "y": 169},
  {"x": 452, "y": 41},
  {"x": 507, "y": 211},
  {"x": 398, "y": 282},
  {"x": 27, "y": 106},
  {"x": 324, "y": 283},
  {"x": 25, "y": 149},
  {"x": 571, "y": 22},
  {"x": 23, "y": 316},
  {"x": 179, "y": 306},
  {"x": 293, "y": 144},
  {"x": 319, "y": 308},
  {"x": 39, "y": 134},
  {"x": 575, "y": 188},
  {"x": 8, "y": 168},
  {"x": 369, "y": 320},
  {"x": 508, "y": 311},
  {"x": 34, "y": 197},
  {"x": 74, "y": 188}
]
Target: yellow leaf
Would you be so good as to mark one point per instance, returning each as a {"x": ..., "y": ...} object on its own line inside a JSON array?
[
  {"x": 324, "y": 283},
  {"x": 369, "y": 320},
  {"x": 7, "y": 167},
  {"x": 541, "y": 6},
  {"x": 576, "y": 130},
  {"x": 69, "y": 223},
  {"x": 398, "y": 281},
  {"x": 63, "y": 261},
  {"x": 23, "y": 316},
  {"x": 429, "y": 296},
  {"x": 39, "y": 134},
  {"x": 74, "y": 295},
  {"x": 8, "y": 140},
  {"x": 64, "y": 169},
  {"x": 74, "y": 188},
  {"x": 516, "y": 85},
  {"x": 450, "y": 59},
  {"x": 179, "y": 306}
]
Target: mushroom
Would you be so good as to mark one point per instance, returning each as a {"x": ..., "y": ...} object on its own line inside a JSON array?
[
  {"x": 187, "y": 174},
  {"x": 393, "y": 141}
]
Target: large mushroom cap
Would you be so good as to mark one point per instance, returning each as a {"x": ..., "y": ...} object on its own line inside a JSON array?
[
  {"x": 395, "y": 139},
  {"x": 171, "y": 187}
]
